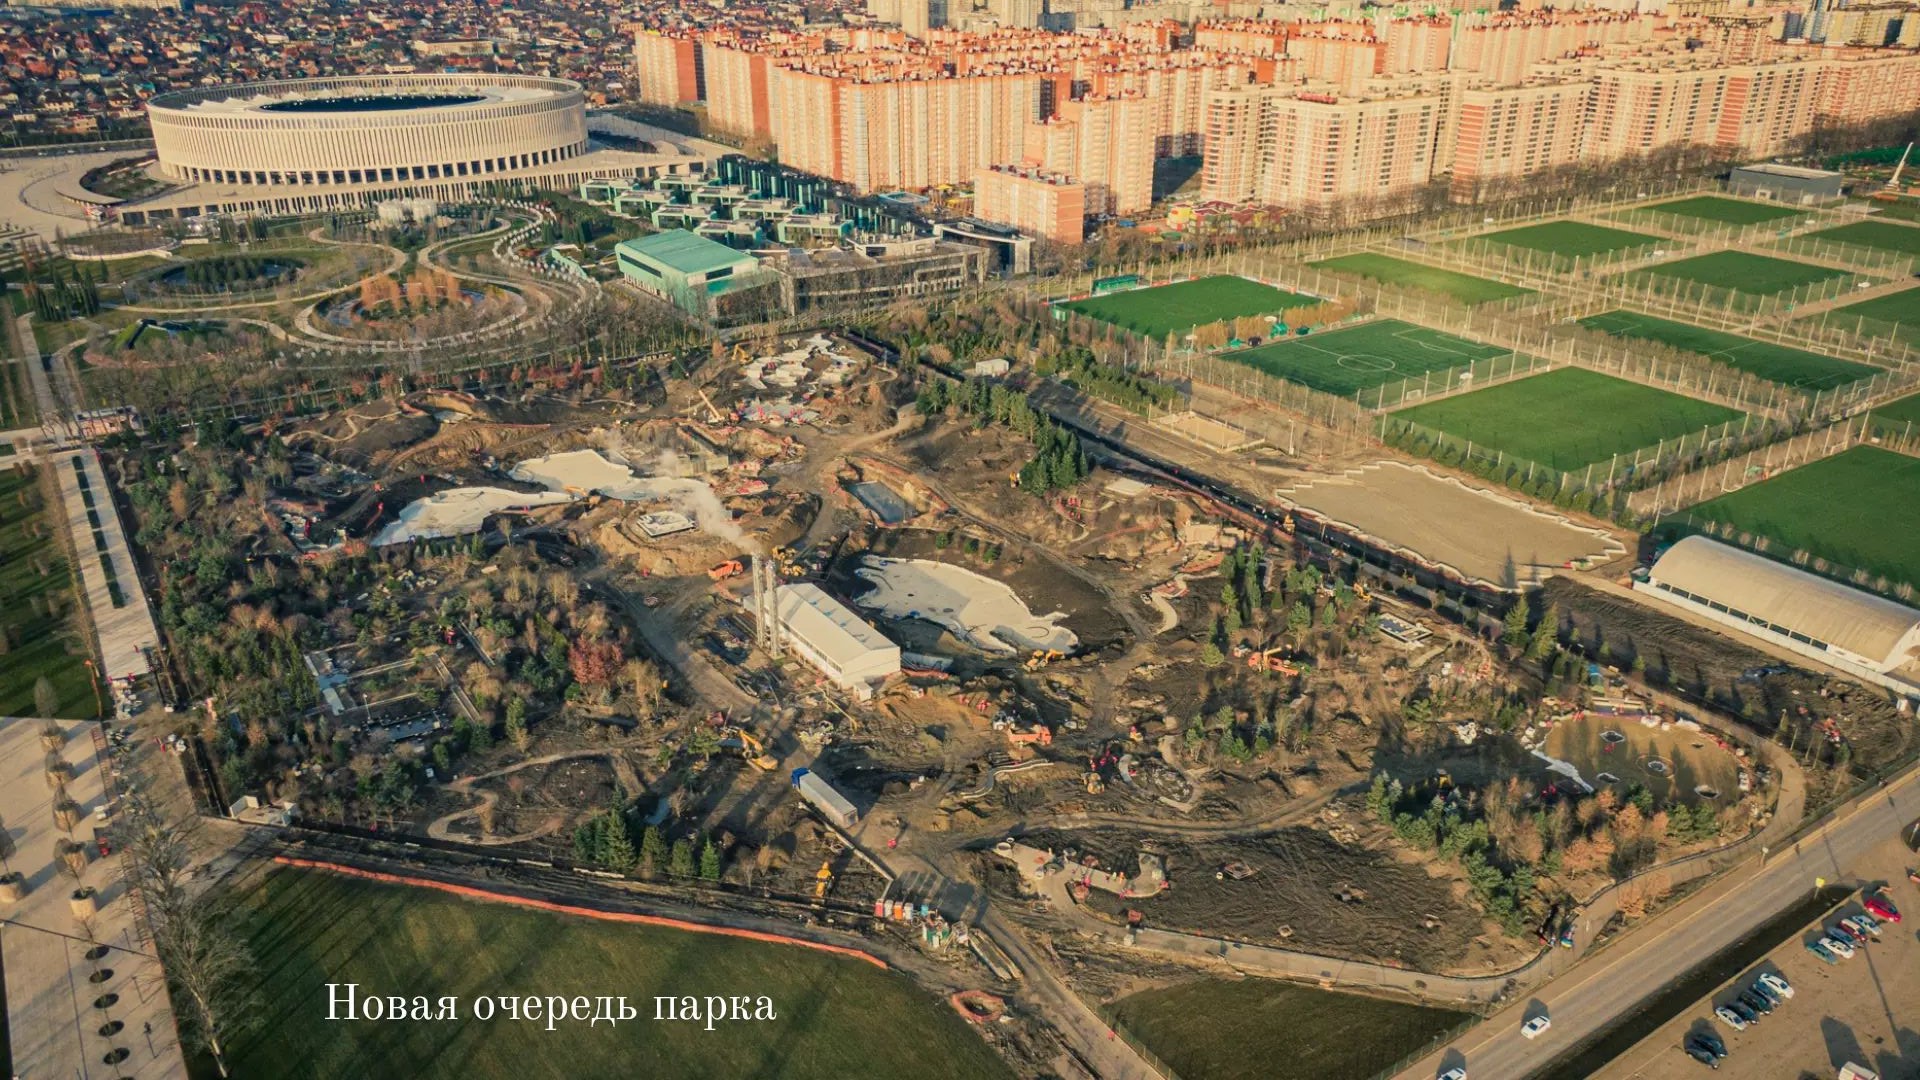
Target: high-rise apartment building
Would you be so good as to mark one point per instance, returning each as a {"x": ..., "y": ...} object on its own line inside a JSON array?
[
  {"x": 1319, "y": 152},
  {"x": 1044, "y": 204},
  {"x": 668, "y": 69},
  {"x": 1104, "y": 143},
  {"x": 1509, "y": 133}
]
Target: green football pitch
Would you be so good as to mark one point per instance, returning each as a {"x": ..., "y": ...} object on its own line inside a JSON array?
[
  {"x": 835, "y": 1016},
  {"x": 1883, "y": 235},
  {"x": 1183, "y": 305},
  {"x": 1903, "y": 411},
  {"x": 1567, "y": 418},
  {"x": 1742, "y": 271},
  {"x": 1362, "y": 357},
  {"x": 1574, "y": 239},
  {"x": 1859, "y": 508},
  {"x": 1775, "y": 363},
  {"x": 1896, "y": 313},
  {"x": 1462, "y": 287},
  {"x": 1715, "y": 208}
]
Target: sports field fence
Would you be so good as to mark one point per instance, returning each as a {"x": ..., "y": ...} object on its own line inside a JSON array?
[
  {"x": 1862, "y": 258},
  {"x": 1649, "y": 286},
  {"x": 1761, "y": 463},
  {"x": 1489, "y": 257},
  {"x": 1241, "y": 380},
  {"x": 1712, "y": 232}
]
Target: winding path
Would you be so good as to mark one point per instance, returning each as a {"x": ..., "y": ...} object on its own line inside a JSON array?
[{"x": 441, "y": 827}]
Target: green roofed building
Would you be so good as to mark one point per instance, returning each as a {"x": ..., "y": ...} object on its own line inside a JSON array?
[{"x": 687, "y": 270}]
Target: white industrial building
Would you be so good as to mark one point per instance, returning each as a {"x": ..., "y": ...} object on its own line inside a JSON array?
[
  {"x": 1861, "y": 634},
  {"x": 825, "y": 633}
]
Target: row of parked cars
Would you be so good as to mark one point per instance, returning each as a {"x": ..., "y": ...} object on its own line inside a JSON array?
[{"x": 1771, "y": 990}]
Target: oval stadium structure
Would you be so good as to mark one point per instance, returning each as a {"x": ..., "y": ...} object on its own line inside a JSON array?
[{"x": 309, "y": 135}]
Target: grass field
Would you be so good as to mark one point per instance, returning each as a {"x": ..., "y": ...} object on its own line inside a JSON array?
[
  {"x": 1568, "y": 417},
  {"x": 1884, "y": 235},
  {"x": 1905, "y": 410},
  {"x": 1860, "y": 508},
  {"x": 1262, "y": 1029},
  {"x": 1729, "y": 211},
  {"x": 1575, "y": 239},
  {"x": 38, "y": 642},
  {"x": 1462, "y": 287},
  {"x": 1743, "y": 271},
  {"x": 837, "y": 1017},
  {"x": 1775, "y": 363},
  {"x": 1898, "y": 312},
  {"x": 1362, "y": 357},
  {"x": 1178, "y": 308}
]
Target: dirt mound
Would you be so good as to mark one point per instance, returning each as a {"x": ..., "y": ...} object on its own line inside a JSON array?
[{"x": 1298, "y": 876}]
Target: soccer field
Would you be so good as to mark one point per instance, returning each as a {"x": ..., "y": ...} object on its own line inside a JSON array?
[
  {"x": 1462, "y": 287},
  {"x": 1860, "y": 508},
  {"x": 836, "y": 1017},
  {"x": 1716, "y": 208},
  {"x": 1362, "y": 357},
  {"x": 1901, "y": 412},
  {"x": 1567, "y": 418},
  {"x": 1742, "y": 271},
  {"x": 1183, "y": 305},
  {"x": 1574, "y": 239},
  {"x": 1895, "y": 313},
  {"x": 1775, "y": 363},
  {"x": 1884, "y": 235}
]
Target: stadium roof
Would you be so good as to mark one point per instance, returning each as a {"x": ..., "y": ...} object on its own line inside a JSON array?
[
  {"x": 1885, "y": 633},
  {"x": 686, "y": 252},
  {"x": 825, "y": 624}
]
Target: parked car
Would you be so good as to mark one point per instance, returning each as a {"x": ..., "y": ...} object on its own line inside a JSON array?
[
  {"x": 1838, "y": 943},
  {"x": 1700, "y": 1055},
  {"x": 1759, "y": 1003},
  {"x": 1740, "y": 1009},
  {"x": 1852, "y": 930},
  {"x": 1535, "y": 1025},
  {"x": 1778, "y": 984},
  {"x": 1711, "y": 1041},
  {"x": 1762, "y": 990},
  {"x": 1881, "y": 908},
  {"x": 1819, "y": 949},
  {"x": 1730, "y": 1018},
  {"x": 1455, "y": 1073}
]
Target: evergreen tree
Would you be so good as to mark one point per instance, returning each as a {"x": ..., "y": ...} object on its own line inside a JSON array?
[
  {"x": 680, "y": 862},
  {"x": 710, "y": 861},
  {"x": 1515, "y": 634}
]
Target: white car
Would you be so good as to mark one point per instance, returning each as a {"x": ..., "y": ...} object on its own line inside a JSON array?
[
  {"x": 1455, "y": 1073},
  {"x": 1730, "y": 1018},
  {"x": 1776, "y": 984},
  {"x": 1838, "y": 943},
  {"x": 1535, "y": 1025}
]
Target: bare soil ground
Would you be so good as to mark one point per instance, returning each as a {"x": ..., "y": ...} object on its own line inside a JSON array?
[
  {"x": 1297, "y": 875},
  {"x": 1722, "y": 671}
]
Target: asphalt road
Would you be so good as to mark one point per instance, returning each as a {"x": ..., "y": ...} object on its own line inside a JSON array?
[{"x": 1593, "y": 995}]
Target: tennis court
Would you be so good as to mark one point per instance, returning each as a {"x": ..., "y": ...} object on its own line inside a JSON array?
[
  {"x": 1362, "y": 357},
  {"x": 1774, "y": 363}
]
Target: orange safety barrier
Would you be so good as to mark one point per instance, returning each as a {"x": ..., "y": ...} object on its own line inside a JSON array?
[{"x": 571, "y": 909}]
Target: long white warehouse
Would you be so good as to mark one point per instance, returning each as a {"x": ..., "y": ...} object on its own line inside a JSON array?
[
  {"x": 821, "y": 630},
  {"x": 1840, "y": 626}
]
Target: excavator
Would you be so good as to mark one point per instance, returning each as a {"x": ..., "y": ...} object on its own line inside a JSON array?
[
  {"x": 750, "y": 747},
  {"x": 822, "y": 882},
  {"x": 1270, "y": 660},
  {"x": 1041, "y": 658}
]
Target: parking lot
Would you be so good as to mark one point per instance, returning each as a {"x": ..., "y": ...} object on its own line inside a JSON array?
[{"x": 1864, "y": 1010}]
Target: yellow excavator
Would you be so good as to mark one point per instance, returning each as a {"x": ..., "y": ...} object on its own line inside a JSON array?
[
  {"x": 822, "y": 882},
  {"x": 750, "y": 747}
]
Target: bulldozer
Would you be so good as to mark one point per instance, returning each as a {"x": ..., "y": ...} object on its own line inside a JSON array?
[{"x": 822, "y": 882}]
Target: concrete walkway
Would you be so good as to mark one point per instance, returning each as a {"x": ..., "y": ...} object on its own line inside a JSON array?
[
  {"x": 125, "y": 631},
  {"x": 83, "y": 989}
]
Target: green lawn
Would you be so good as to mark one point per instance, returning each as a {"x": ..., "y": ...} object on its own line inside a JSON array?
[
  {"x": 1568, "y": 417},
  {"x": 837, "y": 1017},
  {"x": 1884, "y": 235},
  {"x": 1905, "y": 410},
  {"x": 1743, "y": 271},
  {"x": 37, "y": 643},
  {"x": 1775, "y": 363},
  {"x": 1897, "y": 312},
  {"x": 1362, "y": 357},
  {"x": 1574, "y": 239},
  {"x": 1263, "y": 1029},
  {"x": 1178, "y": 308},
  {"x": 1462, "y": 287},
  {"x": 1729, "y": 211},
  {"x": 1860, "y": 508}
]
